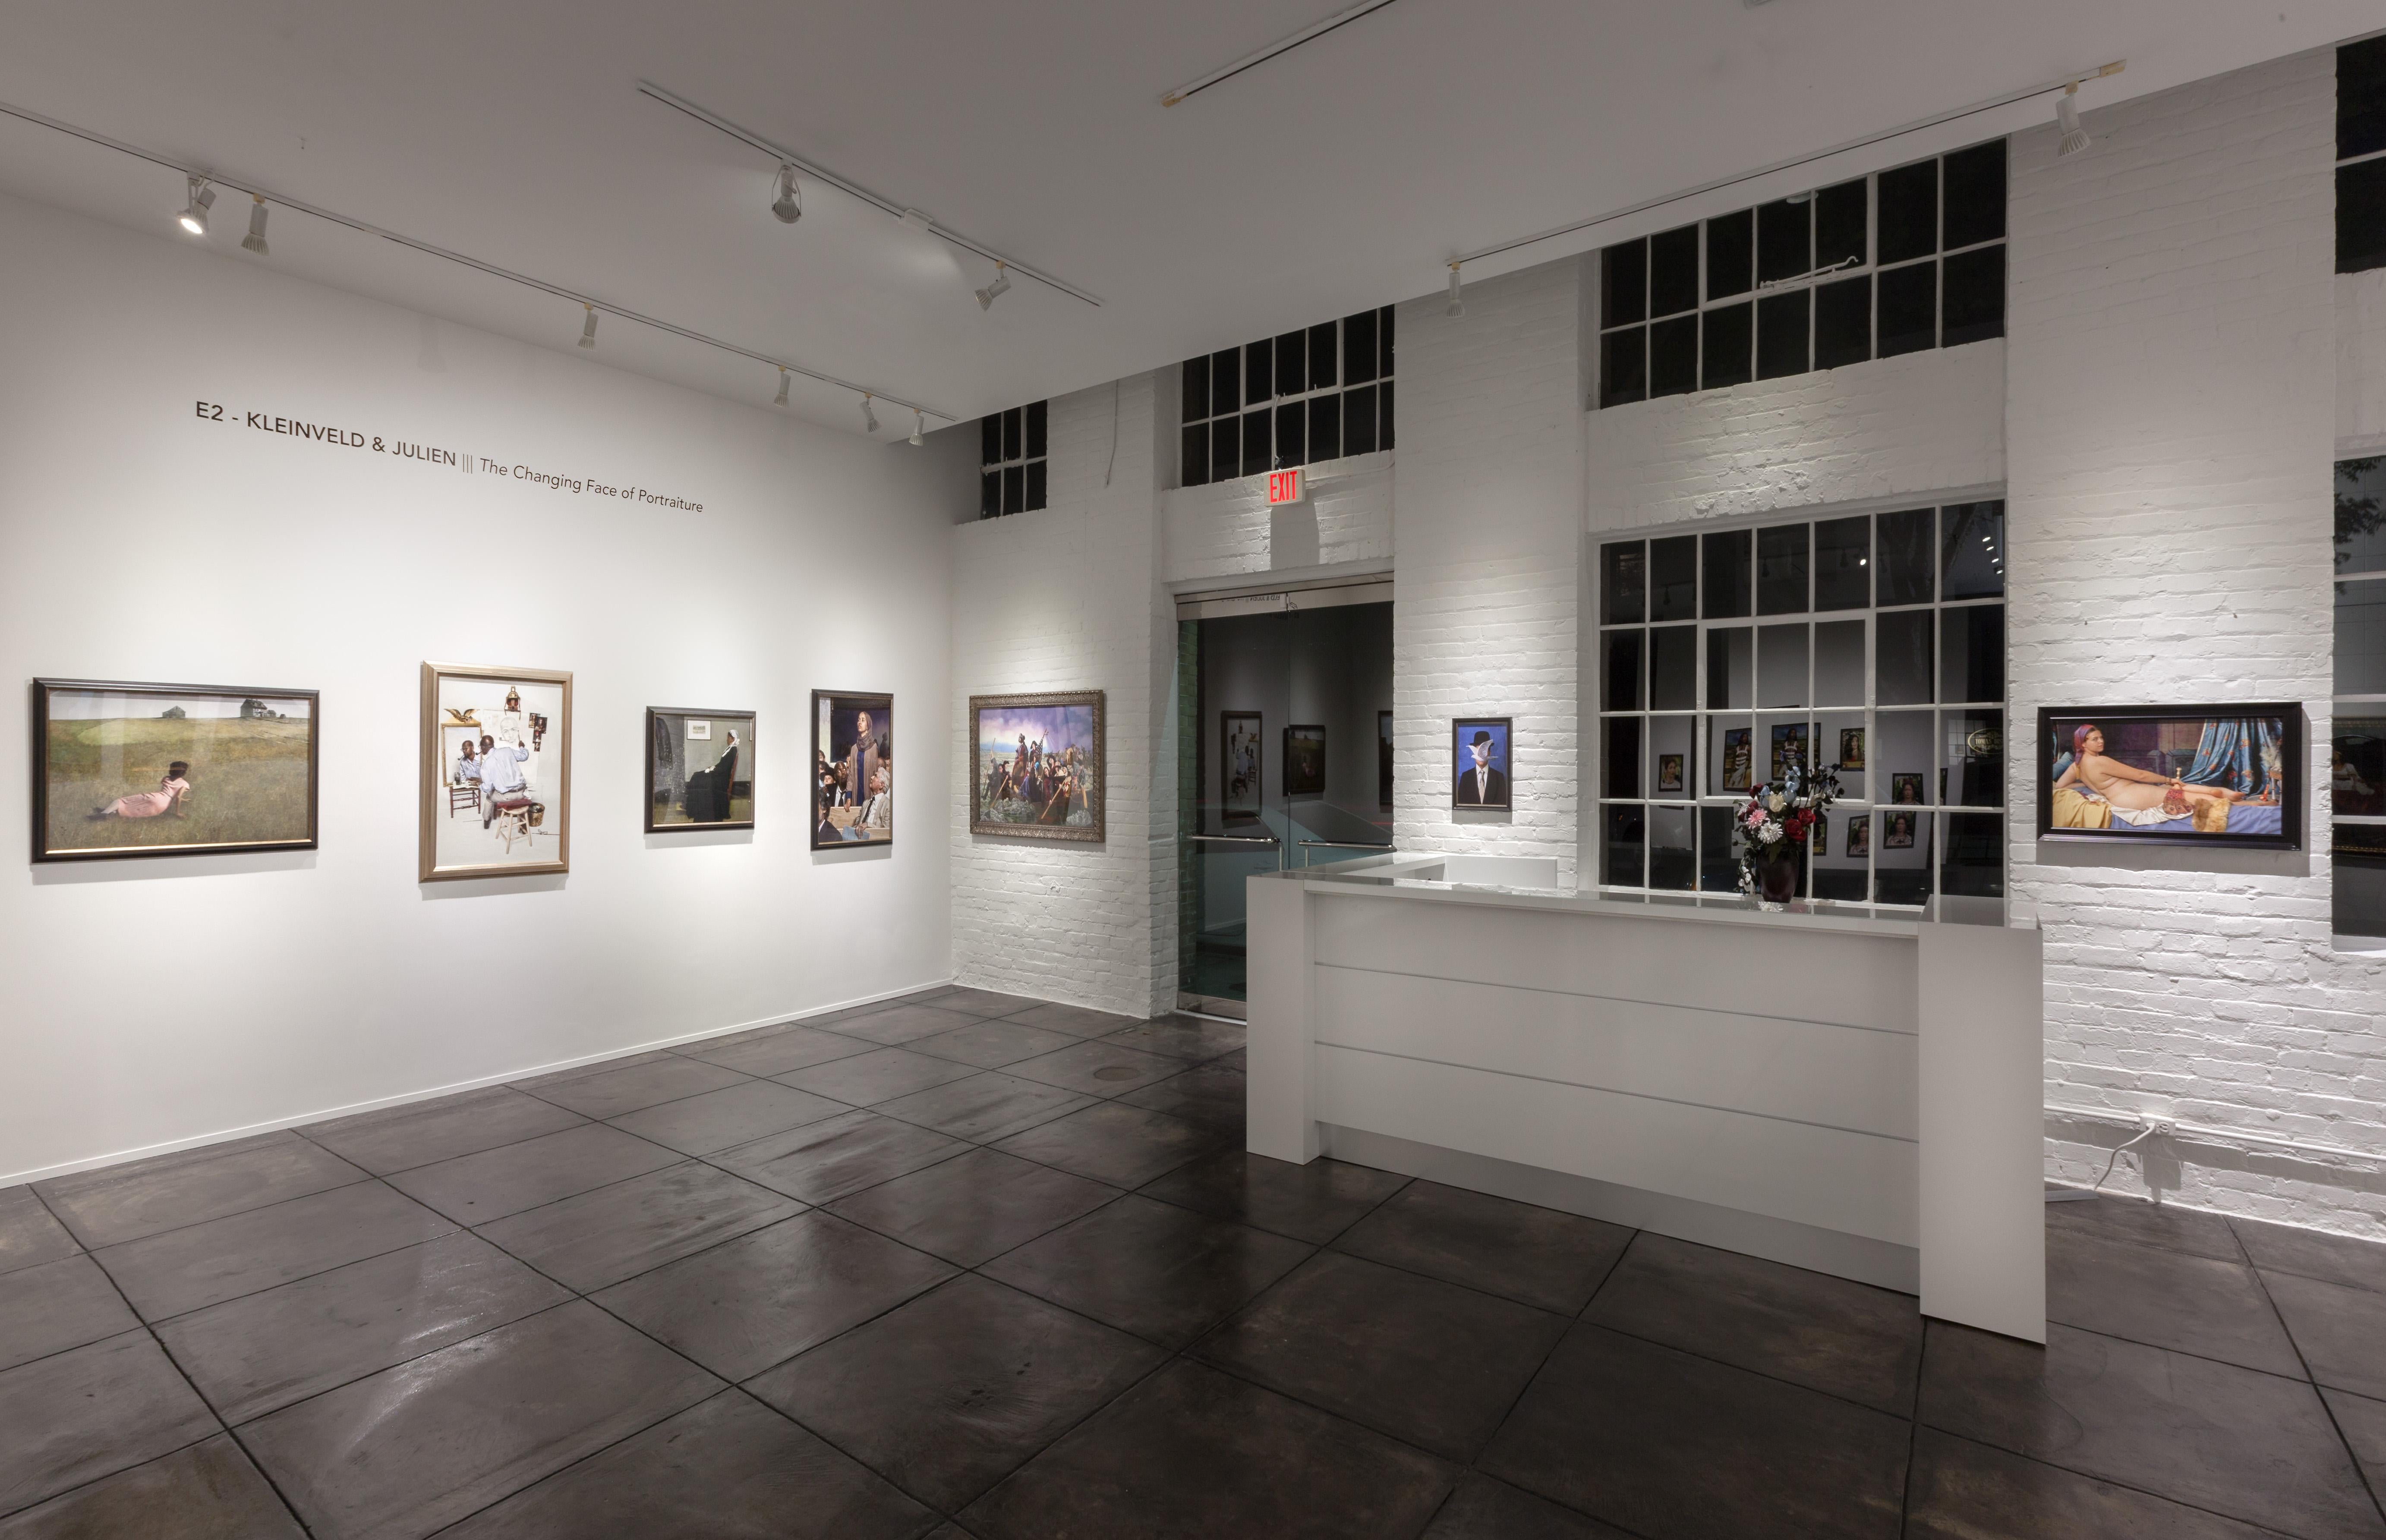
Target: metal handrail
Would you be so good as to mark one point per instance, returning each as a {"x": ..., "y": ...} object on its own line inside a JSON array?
[
  {"x": 1307, "y": 846},
  {"x": 1235, "y": 839}
]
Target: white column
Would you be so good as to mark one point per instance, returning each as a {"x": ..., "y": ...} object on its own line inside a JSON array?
[{"x": 1282, "y": 1072}]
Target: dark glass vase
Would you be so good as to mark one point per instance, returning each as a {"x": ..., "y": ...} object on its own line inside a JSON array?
[{"x": 1777, "y": 880}]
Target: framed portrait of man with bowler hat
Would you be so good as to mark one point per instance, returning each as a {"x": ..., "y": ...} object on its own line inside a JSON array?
[{"x": 1482, "y": 773}]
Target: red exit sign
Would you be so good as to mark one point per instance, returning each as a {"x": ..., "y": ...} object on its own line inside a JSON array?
[{"x": 1283, "y": 486}]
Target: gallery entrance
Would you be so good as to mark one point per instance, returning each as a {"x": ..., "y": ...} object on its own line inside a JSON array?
[{"x": 1284, "y": 756}]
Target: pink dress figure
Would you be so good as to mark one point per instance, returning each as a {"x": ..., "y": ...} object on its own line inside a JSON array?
[{"x": 149, "y": 804}]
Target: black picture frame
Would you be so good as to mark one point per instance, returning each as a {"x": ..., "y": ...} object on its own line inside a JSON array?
[
  {"x": 1502, "y": 799},
  {"x": 1301, "y": 776},
  {"x": 1383, "y": 759},
  {"x": 825, "y": 703},
  {"x": 1242, "y": 789},
  {"x": 2286, "y": 775},
  {"x": 740, "y": 774}
]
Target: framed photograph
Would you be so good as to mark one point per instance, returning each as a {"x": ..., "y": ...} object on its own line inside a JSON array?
[
  {"x": 1905, "y": 789},
  {"x": 172, "y": 769},
  {"x": 1852, "y": 748},
  {"x": 700, "y": 768},
  {"x": 1788, "y": 751},
  {"x": 1897, "y": 830},
  {"x": 1735, "y": 766},
  {"x": 1304, "y": 759},
  {"x": 1669, "y": 772},
  {"x": 1482, "y": 773},
  {"x": 2173, "y": 774},
  {"x": 1039, "y": 769},
  {"x": 1818, "y": 842},
  {"x": 1384, "y": 758},
  {"x": 496, "y": 771},
  {"x": 1239, "y": 765},
  {"x": 853, "y": 770},
  {"x": 1859, "y": 834}
]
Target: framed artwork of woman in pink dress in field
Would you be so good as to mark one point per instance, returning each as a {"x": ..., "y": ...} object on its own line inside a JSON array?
[{"x": 172, "y": 769}]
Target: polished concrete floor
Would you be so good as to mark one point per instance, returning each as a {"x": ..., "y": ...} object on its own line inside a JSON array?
[{"x": 969, "y": 1265}]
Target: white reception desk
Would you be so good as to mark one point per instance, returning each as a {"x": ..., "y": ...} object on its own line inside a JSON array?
[{"x": 1841, "y": 1089}]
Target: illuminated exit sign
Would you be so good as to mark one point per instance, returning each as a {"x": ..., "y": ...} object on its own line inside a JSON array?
[{"x": 1283, "y": 486}]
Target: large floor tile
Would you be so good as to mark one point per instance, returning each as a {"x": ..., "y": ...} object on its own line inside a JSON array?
[
  {"x": 985, "y": 1107},
  {"x": 1191, "y": 1038},
  {"x": 394, "y": 1138},
  {"x": 1824, "y": 1332},
  {"x": 1166, "y": 1273},
  {"x": 208, "y": 1491},
  {"x": 2126, "y": 1219},
  {"x": 1191, "y": 1452},
  {"x": 2206, "y": 1433},
  {"x": 981, "y": 1002},
  {"x": 600, "y": 1067},
  {"x": 1671, "y": 1445},
  {"x": 764, "y": 1297},
  {"x": 1538, "y": 1256},
  {"x": 782, "y": 1051},
  {"x": 2342, "y": 1331},
  {"x": 429, "y": 1442},
  {"x": 1314, "y": 1203},
  {"x": 975, "y": 1206},
  {"x": 1214, "y": 1093},
  {"x": 599, "y": 1238},
  {"x": 1967, "y": 1491},
  {"x": 1123, "y": 1145},
  {"x": 2166, "y": 1298},
  {"x": 955, "y": 1390},
  {"x": 1075, "y": 1019},
  {"x": 2314, "y": 1254},
  {"x": 83, "y": 1414},
  {"x": 256, "y": 1354},
  {"x": 2363, "y": 1423},
  {"x": 29, "y": 1236},
  {"x": 1428, "y": 1362},
  {"x": 1486, "y": 1510},
  {"x": 876, "y": 1075},
  {"x": 124, "y": 1203},
  {"x": 1102, "y": 1066},
  {"x": 474, "y": 1189},
  {"x": 613, "y": 1092},
  {"x": 733, "y": 1115},
  {"x": 992, "y": 1045},
  {"x": 827, "y": 1159},
  {"x": 728, "y": 1469},
  {"x": 904, "y": 1023},
  {"x": 51, "y": 1306},
  {"x": 202, "y": 1264}
]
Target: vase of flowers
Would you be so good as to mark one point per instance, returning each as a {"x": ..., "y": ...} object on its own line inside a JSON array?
[{"x": 1774, "y": 826}]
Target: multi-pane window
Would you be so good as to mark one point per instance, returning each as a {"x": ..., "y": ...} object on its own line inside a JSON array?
[
  {"x": 1307, "y": 395},
  {"x": 1010, "y": 462},
  {"x": 1874, "y": 643},
  {"x": 1894, "y": 263},
  {"x": 2361, "y": 156},
  {"x": 2357, "y": 758}
]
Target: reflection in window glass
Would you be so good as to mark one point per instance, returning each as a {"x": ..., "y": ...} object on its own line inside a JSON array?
[
  {"x": 1621, "y": 777},
  {"x": 1974, "y": 863},
  {"x": 1972, "y": 653},
  {"x": 1623, "y": 848},
  {"x": 1972, "y": 758},
  {"x": 1620, "y": 652},
  {"x": 2361, "y": 515},
  {"x": 1673, "y": 668},
  {"x": 1731, "y": 684},
  {"x": 1277, "y": 402},
  {"x": 1781, "y": 570},
  {"x": 1840, "y": 663},
  {"x": 1781, "y": 665},
  {"x": 1673, "y": 849},
  {"x": 1905, "y": 556},
  {"x": 1902, "y": 657},
  {"x": 1842, "y": 564},
  {"x": 1972, "y": 550},
  {"x": 2361, "y": 638},
  {"x": 1725, "y": 584},
  {"x": 1673, "y": 579},
  {"x": 1624, "y": 583}
]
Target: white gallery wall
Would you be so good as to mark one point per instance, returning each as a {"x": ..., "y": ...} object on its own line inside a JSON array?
[{"x": 154, "y": 1002}]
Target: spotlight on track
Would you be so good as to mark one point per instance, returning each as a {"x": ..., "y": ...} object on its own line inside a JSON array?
[
  {"x": 788, "y": 206},
  {"x": 2067, "y": 117},
  {"x": 781, "y": 399},
  {"x": 1456, "y": 307},
  {"x": 869, "y": 418},
  {"x": 919, "y": 428},
  {"x": 255, "y": 239},
  {"x": 588, "y": 332},
  {"x": 996, "y": 290},
  {"x": 194, "y": 217}
]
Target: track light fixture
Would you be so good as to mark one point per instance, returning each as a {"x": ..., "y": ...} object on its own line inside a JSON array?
[
  {"x": 919, "y": 428},
  {"x": 588, "y": 332},
  {"x": 255, "y": 239},
  {"x": 789, "y": 204},
  {"x": 2067, "y": 117},
  {"x": 869, "y": 418},
  {"x": 194, "y": 217},
  {"x": 996, "y": 290},
  {"x": 781, "y": 399},
  {"x": 1457, "y": 307}
]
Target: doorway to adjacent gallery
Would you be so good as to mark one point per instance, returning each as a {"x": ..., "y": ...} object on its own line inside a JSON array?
[{"x": 1284, "y": 756}]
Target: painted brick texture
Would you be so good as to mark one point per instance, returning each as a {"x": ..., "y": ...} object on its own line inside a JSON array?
[{"x": 1226, "y": 530}]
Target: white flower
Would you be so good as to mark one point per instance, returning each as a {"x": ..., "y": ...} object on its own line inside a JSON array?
[{"x": 1770, "y": 834}]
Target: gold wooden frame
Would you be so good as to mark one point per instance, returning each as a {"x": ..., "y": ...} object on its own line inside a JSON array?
[{"x": 433, "y": 776}]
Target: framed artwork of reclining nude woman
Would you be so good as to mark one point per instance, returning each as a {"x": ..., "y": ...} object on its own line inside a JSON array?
[
  {"x": 2226, "y": 775},
  {"x": 496, "y": 771},
  {"x": 171, "y": 769},
  {"x": 699, "y": 769},
  {"x": 1037, "y": 766}
]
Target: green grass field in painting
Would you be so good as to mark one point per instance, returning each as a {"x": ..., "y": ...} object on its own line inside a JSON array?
[{"x": 249, "y": 781}]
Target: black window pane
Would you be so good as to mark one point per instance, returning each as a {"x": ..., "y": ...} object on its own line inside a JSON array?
[
  {"x": 1974, "y": 867},
  {"x": 1384, "y": 342},
  {"x": 1256, "y": 447},
  {"x": 2360, "y": 638},
  {"x": 1013, "y": 432},
  {"x": 1624, "y": 366},
  {"x": 1731, "y": 254},
  {"x": 1259, "y": 372},
  {"x": 2361, "y": 97},
  {"x": 1841, "y": 216},
  {"x": 1323, "y": 353},
  {"x": 1782, "y": 571},
  {"x": 1975, "y": 194},
  {"x": 1728, "y": 568},
  {"x": 1359, "y": 420},
  {"x": 2361, "y": 217},
  {"x": 1359, "y": 348},
  {"x": 1674, "y": 668},
  {"x": 1909, "y": 212},
  {"x": 1718, "y": 850},
  {"x": 1035, "y": 485},
  {"x": 1726, "y": 338},
  {"x": 1673, "y": 848},
  {"x": 1972, "y": 551},
  {"x": 989, "y": 495},
  {"x": 1842, "y": 557},
  {"x": 1972, "y": 654},
  {"x": 1620, "y": 670},
  {"x": 1195, "y": 462},
  {"x": 1225, "y": 449},
  {"x": 1226, "y": 382},
  {"x": 1972, "y": 308},
  {"x": 1674, "y": 356},
  {"x": 1909, "y": 310},
  {"x": 1784, "y": 239},
  {"x": 1673, "y": 271},
  {"x": 1673, "y": 579},
  {"x": 1903, "y": 556},
  {"x": 1901, "y": 659},
  {"x": 2360, "y": 538},
  {"x": 1781, "y": 333},
  {"x": 989, "y": 440},
  {"x": 1292, "y": 363},
  {"x": 1035, "y": 416},
  {"x": 1623, "y": 768},
  {"x": 1196, "y": 389},
  {"x": 1620, "y": 851},
  {"x": 1624, "y": 583},
  {"x": 1383, "y": 415},
  {"x": 1292, "y": 434},
  {"x": 1843, "y": 322},
  {"x": 1014, "y": 490},
  {"x": 1324, "y": 428},
  {"x": 1623, "y": 284}
]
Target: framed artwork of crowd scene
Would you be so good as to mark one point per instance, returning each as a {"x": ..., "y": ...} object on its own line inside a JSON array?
[
  {"x": 699, "y": 769},
  {"x": 853, "y": 770},
  {"x": 171, "y": 769},
  {"x": 1037, "y": 766},
  {"x": 2225, "y": 775},
  {"x": 496, "y": 771}
]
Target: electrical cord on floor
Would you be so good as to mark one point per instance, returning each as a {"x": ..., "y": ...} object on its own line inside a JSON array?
[{"x": 2073, "y": 1194}]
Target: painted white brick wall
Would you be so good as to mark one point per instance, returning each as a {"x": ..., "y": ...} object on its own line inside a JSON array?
[
  {"x": 1069, "y": 598},
  {"x": 1226, "y": 530}
]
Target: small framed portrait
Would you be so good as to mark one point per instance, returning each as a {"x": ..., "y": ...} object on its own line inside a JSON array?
[
  {"x": 1897, "y": 830},
  {"x": 1482, "y": 770},
  {"x": 2226, "y": 775},
  {"x": 1669, "y": 772},
  {"x": 700, "y": 768},
  {"x": 496, "y": 771},
  {"x": 1304, "y": 759},
  {"x": 1384, "y": 758},
  {"x": 853, "y": 769},
  {"x": 1735, "y": 763},
  {"x": 1859, "y": 835},
  {"x": 1239, "y": 765},
  {"x": 1039, "y": 771},
  {"x": 172, "y": 769},
  {"x": 1852, "y": 746},
  {"x": 1788, "y": 751},
  {"x": 1818, "y": 841},
  {"x": 1905, "y": 789}
]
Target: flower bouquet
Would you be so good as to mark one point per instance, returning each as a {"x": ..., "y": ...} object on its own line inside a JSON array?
[{"x": 1775, "y": 825}]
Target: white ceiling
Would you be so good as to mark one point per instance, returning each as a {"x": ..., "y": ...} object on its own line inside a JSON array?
[{"x": 1341, "y": 175}]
